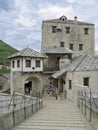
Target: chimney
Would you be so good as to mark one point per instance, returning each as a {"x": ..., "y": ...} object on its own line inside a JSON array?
[{"x": 75, "y": 18}]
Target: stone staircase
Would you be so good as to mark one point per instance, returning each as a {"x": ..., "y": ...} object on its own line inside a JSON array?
[{"x": 56, "y": 115}]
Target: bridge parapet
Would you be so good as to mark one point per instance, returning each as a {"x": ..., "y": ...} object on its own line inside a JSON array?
[{"x": 16, "y": 108}]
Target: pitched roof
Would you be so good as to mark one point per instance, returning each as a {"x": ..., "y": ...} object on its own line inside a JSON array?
[
  {"x": 67, "y": 21},
  {"x": 88, "y": 64},
  {"x": 27, "y": 52},
  {"x": 81, "y": 63},
  {"x": 57, "y": 50}
]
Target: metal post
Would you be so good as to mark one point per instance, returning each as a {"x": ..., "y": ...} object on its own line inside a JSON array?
[
  {"x": 14, "y": 105},
  {"x": 11, "y": 83},
  {"x": 78, "y": 96},
  {"x": 85, "y": 102},
  {"x": 90, "y": 105},
  {"x": 24, "y": 107}
]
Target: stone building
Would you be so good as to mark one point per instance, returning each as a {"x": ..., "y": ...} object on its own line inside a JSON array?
[
  {"x": 68, "y": 60},
  {"x": 81, "y": 71},
  {"x": 73, "y": 34},
  {"x": 76, "y": 66},
  {"x": 26, "y": 71}
]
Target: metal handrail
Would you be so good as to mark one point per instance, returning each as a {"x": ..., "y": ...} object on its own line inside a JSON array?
[
  {"x": 15, "y": 101},
  {"x": 88, "y": 99}
]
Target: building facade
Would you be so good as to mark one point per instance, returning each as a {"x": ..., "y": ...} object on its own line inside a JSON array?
[
  {"x": 68, "y": 60},
  {"x": 73, "y": 34},
  {"x": 26, "y": 71},
  {"x": 78, "y": 38},
  {"x": 81, "y": 72}
]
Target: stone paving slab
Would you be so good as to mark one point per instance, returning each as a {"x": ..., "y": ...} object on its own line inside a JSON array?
[{"x": 56, "y": 115}]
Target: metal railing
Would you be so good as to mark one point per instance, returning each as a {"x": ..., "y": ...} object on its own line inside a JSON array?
[
  {"x": 89, "y": 99},
  {"x": 16, "y": 101}
]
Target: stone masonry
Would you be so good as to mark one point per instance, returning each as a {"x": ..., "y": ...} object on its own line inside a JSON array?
[{"x": 68, "y": 33}]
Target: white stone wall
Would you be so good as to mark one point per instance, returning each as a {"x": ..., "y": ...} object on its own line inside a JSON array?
[{"x": 23, "y": 67}]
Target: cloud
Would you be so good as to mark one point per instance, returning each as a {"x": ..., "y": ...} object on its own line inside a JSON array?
[
  {"x": 53, "y": 11},
  {"x": 21, "y": 20},
  {"x": 81, "y": 2},
  {"x": 24, "y": 21},
  {"x": 71, "y": 1},
  {"x": 7, "y": 5}
]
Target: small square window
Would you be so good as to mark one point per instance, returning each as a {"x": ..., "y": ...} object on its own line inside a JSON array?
[
  {"x": 80, "y": 47},
  {"x": 62, "y": 44},
  {"x": 67, "y": 29},
  {"x": 86, "y": 31},
  {"x": 71, "y": 46},
  {"x": 18, "y": 63},
  {"x": 70, "y": 84},
  {"x": 54, "y": 29},
  {"x": 13, "y": 64},
  {"x": 28, "y": 63},
  {"x": 86, "y": 81},
  {"x": 37, "y": 63},
  {"x": 59, "y": 30}
]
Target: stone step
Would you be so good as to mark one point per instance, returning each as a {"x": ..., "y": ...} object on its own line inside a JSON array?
[
  {"x": 55, "y": 120},
  {"x": 50, "y": 128},
  {"x": 55, "y": 115},
  {"x": 68, "y": 124}
]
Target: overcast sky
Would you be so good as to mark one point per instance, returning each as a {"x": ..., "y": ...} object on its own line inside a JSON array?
[{"x": 21, "y": 20}]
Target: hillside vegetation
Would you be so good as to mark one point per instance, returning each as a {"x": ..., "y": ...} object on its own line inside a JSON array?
[{"x": 5, "y": 51}]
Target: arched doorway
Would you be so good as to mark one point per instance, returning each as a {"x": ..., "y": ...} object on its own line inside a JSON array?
[
  {"x": 28, "y": 87},
  {"x": 32, "y": 86}
]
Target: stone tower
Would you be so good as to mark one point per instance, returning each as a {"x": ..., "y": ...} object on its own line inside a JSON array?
[{"x": 72, "y": 34}]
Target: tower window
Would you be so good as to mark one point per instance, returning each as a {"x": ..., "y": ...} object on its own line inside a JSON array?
[
  {"x": 80, "y": 47},
  {"x": 54, "y": 29},
  {"x": 67, "y": 29},
  {"x": 71, "y": 46},
  {"x": 61, "y": 44},
  {"x": 59, "y": 30},
  {"x": 86, "y": 31},
  {"x": 86, "y": 81}
]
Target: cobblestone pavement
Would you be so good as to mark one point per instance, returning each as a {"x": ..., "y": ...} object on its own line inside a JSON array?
[{"x": 56, "y": 115}]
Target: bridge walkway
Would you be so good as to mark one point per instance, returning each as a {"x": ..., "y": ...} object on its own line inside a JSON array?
[{"x": 56, "y": 115}]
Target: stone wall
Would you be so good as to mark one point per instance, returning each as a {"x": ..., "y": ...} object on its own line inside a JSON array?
[
  {"x": 90, "y": 114},
  {"x": 77, "y": 80},
  {"x": 38, "y": 81},
  {"x": 13, "y": 118},
  {"x": 4, "y": 81},
  {"x": 75, "y": 37}
]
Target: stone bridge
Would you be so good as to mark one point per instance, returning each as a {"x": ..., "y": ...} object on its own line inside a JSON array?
[
  {"x": 56, "y": 115},
  {"x": 20, "y": 112}
]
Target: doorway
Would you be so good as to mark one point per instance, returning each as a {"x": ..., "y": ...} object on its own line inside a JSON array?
[{"x": 28, "y": 87}]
